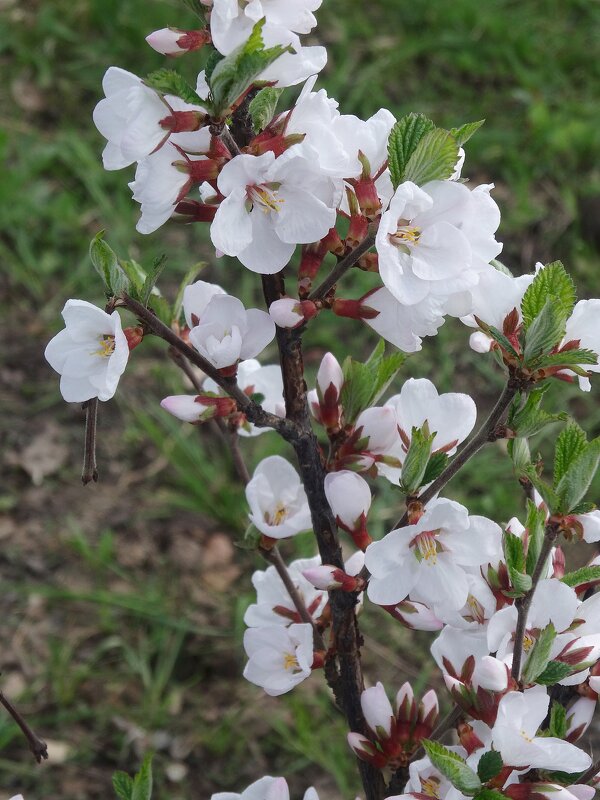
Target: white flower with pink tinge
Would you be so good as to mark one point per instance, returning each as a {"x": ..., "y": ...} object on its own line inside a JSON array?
[
  {"x": 271, "y": 205},
  {"x": 90, "y": 354},
  {"x": 427, "y": 560},
  {"x": 436, "y": 240},
  {"x": 277, "y": 500},
  {"x": 279, "y": 657},
  {"x": 266, "y": 788}
]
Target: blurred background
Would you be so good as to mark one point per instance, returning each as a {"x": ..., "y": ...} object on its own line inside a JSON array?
[{"x": 121, "y": 603}]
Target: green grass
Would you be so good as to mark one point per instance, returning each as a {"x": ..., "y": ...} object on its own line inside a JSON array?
[{"x": 147, "y": 653}]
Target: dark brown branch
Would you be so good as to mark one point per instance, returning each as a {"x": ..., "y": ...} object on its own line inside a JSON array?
[
  {"x": 238, "y": 459},
  {"x": 89, "y": 471},
  {"x": 347, "y": 684},
  {"x": 37, "y": 746},
  {"x": 487, "y": 433},
  {"x": 342, "y": 267},
  {"x": 523, "y": 604},
  {"x": 254, "y": 412}
]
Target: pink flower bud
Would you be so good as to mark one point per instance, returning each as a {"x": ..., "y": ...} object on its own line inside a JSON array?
[
  {"x": 429, "y": 708},
  {"x": 366, "y": 750},
  {"x": 405, "y": 703},
  {"x": 286, "y": 312},
  {"x": 579, "y": 717},
  {"x": 326, "y": 577},
  {"x": 377, "y": 710},
  {"x": 329, "y": 375},
  {"x": 491, "y": 674},
  {"x": 185, "y": 408},
  {"x": 349, "y": 496},
  {"x": 174, "y": 42}
]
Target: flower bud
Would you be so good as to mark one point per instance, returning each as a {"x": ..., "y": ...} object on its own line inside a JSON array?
[
  {"x": 377, "y": 710},
  {"x": 349, "y": 496},
  {"x": 175, "y": 42},
  {"x": 405, "y": 706},
  {"x": 134, "y": 336},
  {"x": 491, "y": 673},
  {"x": 429, "y": 708},
  {"x": 330, "y": 377},
  {"x": 186, "y": 408},
  {"x": 327, "y": 577},
  {"x": 289, "y": 313},
  {"x": 579, "y": 717},
  {"x": 366, "y": 750},
  {"x": 379, "y": 426}
]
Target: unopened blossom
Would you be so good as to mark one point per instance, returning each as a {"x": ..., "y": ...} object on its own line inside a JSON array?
[
  {"x": 579, "y": 717},
  {"x": 495, "y": 297},
  {"x": 255, "y": 379},
  {"x": 175, "y": 42},
  {"x": 520, "y": 715},
  {"x": 136, "y": 120},
  {"x": 270, "y": 206},
  {"x": 277, "y": 500},
  {"x": 274, "y": 605},
  {"x": 287, "y": 312},
  {"x": 436, "y": 240},
  {"x": 90, "y": 354},
  {"x": 195, "y": 408},
  {"x": 584, "y": 326},
  {"x": 415, "y": 616},
  {"x": 279, "y": 657},
  {"x": 377, "y": 710},
  {"x": 427, "y": 560},
  {"x": 228, "y": 333},
  {"x": 349, "y": 497}
]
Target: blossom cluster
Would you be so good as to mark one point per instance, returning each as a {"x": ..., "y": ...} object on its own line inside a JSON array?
[{"x": 386, "y": 196}]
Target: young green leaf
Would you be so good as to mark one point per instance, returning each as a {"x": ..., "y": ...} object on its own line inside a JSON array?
[
  {"x": 436, "y": 465},
  {"x": 417, "y": 458},
  {"x": 540, "y": 654},
  {"x": 570, "y": 444},
  {"x": 558, "y": 721},
  {"x": 365, "y": 383},
  {"x": 580, "y": 576},
  {"x": 526, "y": 417},
  {"x": 157, "y": 267},
  {"x": 514, "y": 555},
  {"x": 490, "y": 765},
  {"x": 518, "y": 450},
  {"x": 573, "y": 486},
  {"x": 136, "y": 275},
  {"x": 554, "y": 672},
  {"x": 123, "y": 785},
  {"x": 107, "y": 266},
  {"x": 545, "y": 331},
  {"x": 567, "y": 358},
  {"x": 453, "y": 767},
  {"x": 536, "y": 526},
  {"x": 262, "y": 107},
  {"x": 434, "y": 158},
  {"x": 142, "y": 783},
  {"x": 404, "y": 138},
  {"x": 463, "y": 133},
  {"x": 548, "y": 494},
  {"x": 235, "y": 73},
  {"x": 551, "y": 283},
  {"x": 168, "y": 81}
]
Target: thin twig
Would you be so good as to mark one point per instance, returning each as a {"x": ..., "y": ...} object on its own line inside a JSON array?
[
  {"x": 37, "y": 746},
  {"x": 233, "y": 440},
  {"x": 342, "y": 267},
  {"x": 253, "y": 411},
  {"x": 524, "y": 603},
  {"x": 90, "y": 470},
  {"x": 487, "y": 433},
  {"x": 181, "y": 361}
]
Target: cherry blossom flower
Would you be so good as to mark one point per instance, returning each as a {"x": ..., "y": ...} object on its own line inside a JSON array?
[
  {"x": 277, "y": 500},
  {"x": 136, "y": 120},
  {"x": 436, "y": 240},
  {"x": 266, "y": 788},
  {"x": 520, "y": 714},
  {"x": 270, "y": 206},
  {"x": 425, "y": 780},
  {"x": 457, "y": 652},
  {"x": 196, "y": 297},
  {"x": 279, "y": 657},
  {"x": 427, "y": 560},
  {"x": 90, "y": 354},
  {"x": 227, "y": 332},
  {"x": 273, "y": 603},
  {"x": 402, "y": 325},
  {"x": 584, "y": 326},
  {"x": 375, "y": 436}
]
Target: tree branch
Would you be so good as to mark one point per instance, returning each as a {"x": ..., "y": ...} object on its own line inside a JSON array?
[
  {"x": 487, "y": 433},
  {"x": 523, "y": 603},
  {"x": 37, "y": 746},
  {"x": 254, "y": 412},
  {"x": 342, "y": 267},
  {"x": 89, "y": 471}
]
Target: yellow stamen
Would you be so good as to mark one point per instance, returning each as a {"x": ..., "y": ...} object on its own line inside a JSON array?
[
  {"x": 528, "y": 642},
  {"x": 278, "y": 517},
  {"x": 431, "y": 786},
  {"x": 265, "y": 197},
  {"x": 426, "y": 547},
  {"x": 477, "y": 612},
  {"x": 107, "y": 346},
  {"x": 290, "y": 661},
  {"x": 405, "y": 234}
]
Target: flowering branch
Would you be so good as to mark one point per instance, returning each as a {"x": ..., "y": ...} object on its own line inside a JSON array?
[
  {"x": 523, "y": 603},
  {"x": 38, "y": 746},
  {"x": 343, "y": 265}
]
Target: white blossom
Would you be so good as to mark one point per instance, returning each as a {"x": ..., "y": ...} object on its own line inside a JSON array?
[
  {"x": 274, "y": 605},
  {"x": 349, "y": 497},
  {"x": 584, "y": 326},
  {"x": 196, "y": 297},
  {"x": 403, "y": 325},
  {"x": 90, "y": 354},
  {"x": 278, "y": 658},
  {"x": 277, "y": 500},
  {"x": 266, "y": 788}
]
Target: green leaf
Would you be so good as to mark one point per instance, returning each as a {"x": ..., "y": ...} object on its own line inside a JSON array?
[
  {"x": 540, "y": 654},
  {"x": 584, "y": 508},
  {"x": 404, "y": 138},
  {"x": 573, "y": 485},
  {"x": 417, "y": 458},
  {"x": 168, "y": 81},
  {"x": 211, "y": 62},
  {"x": 545, "y": 331},
  {"x": 554, "y": 672},
  {"x": 235, "y": 73},
  {"x": 161, "y": 307},
  {"x": 107, "y": 266},
  {"x": 518, "y": 450},
  {"x": 189, "y": 277},
  {"x": 490, "y": 765},
  {"x": 549, "y": 496},
  {"x": 514, "y": 555},
  {"x": 570, "y": 444},
  {"x": 365, "y": 383},
  {"x": 490, "y": 794},
  {"x": 136, "y": 275},
  {"x": 142, "y": 783},
  {"x": 437, "y": 464},
  {"x": 262, "y": 107},
  {"x": 463, "y": 133},
  {"x": 123, "y": 785},
  {"x": 551, "y": 283},
  {"x": 580, "y": 576},
  {"x": 157, "y": 267},
  {"x": 558, "y": 721},
  {"x": 526, "y": 417},
  {"x": 434, "y": 158},
  {"x": 497, "y": 336},
  {"x": 567, "y": 358},
  {"x": 536, "y": 526},
  {"x": 453, "y": 767}
]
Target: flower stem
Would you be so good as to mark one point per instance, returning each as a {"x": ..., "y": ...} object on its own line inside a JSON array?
[
  {"x": 342, "y": 267},
  {"x": 37, "y": 746},
  {"x": 89, "y": 471}
]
